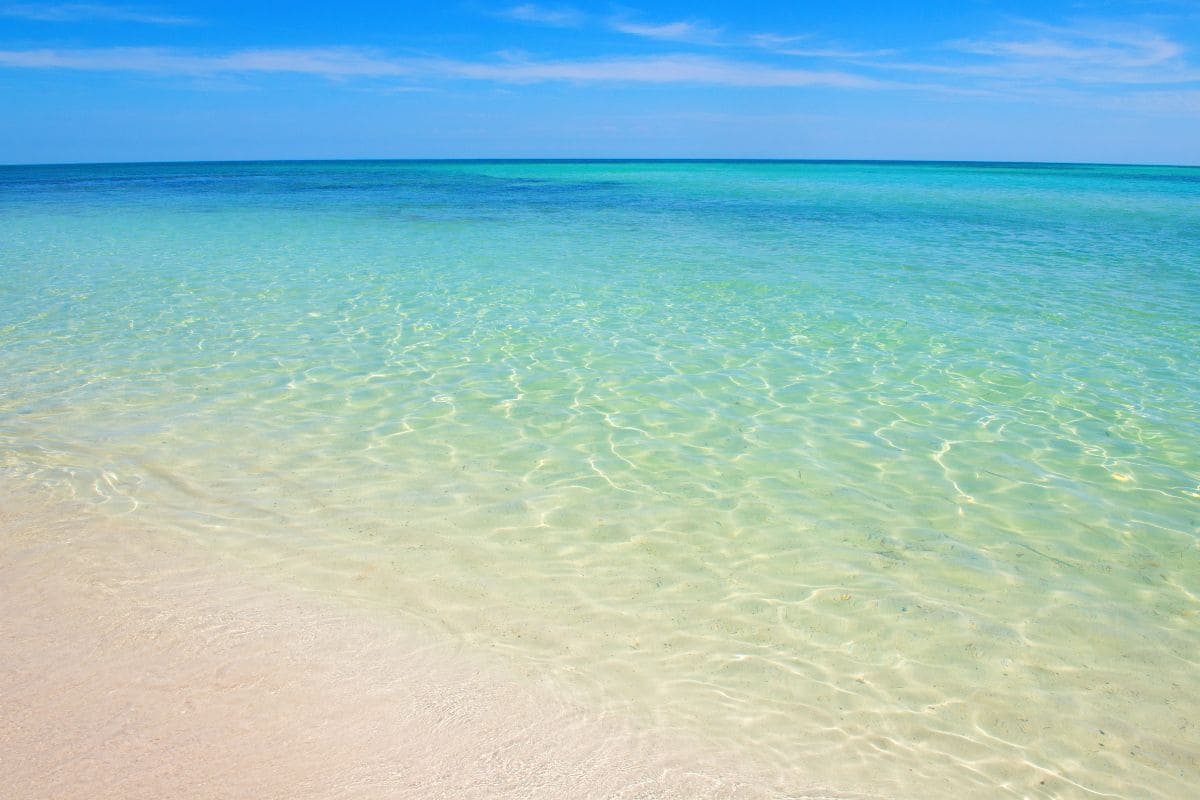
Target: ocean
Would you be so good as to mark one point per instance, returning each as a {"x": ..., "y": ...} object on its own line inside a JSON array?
[{"x": 886, "y": 473}]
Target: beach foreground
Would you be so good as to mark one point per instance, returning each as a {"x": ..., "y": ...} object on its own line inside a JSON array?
[{"x": 135, "y": 669}]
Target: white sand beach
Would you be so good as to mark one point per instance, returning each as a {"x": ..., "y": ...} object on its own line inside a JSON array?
[{"x": 134, "y": 669}]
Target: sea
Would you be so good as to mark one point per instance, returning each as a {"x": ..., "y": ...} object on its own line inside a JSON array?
[{"x": 870, "y": 469}]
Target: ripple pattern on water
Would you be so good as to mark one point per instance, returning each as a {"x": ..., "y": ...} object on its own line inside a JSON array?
[{"x": 892, "y": 469}]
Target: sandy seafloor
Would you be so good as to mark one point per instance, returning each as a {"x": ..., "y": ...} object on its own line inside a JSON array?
[{"x": 135, "y": 668}]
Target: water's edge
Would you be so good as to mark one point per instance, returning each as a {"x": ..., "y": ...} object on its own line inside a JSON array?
[{"x": 136, "y": 667}]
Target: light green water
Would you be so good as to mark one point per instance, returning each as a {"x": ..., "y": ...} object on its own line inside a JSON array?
[{"x": 886, "y": 473}]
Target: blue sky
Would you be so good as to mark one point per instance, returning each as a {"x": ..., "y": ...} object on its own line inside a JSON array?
[{"x": 1047, "y": 81}]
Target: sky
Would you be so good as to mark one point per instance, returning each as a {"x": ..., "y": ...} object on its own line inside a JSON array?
[{"x": 1088, "y": 81}]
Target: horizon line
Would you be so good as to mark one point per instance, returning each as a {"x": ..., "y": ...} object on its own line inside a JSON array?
[{"x": 597, "y": 160}]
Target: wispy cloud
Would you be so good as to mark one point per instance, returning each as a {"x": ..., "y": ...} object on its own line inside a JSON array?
[
  {"x": 1036, "y": 63},
  {"x": 680, "y": 31},
  {"x": 331, "y": 62},
  {"x": 688, "y": 31},
  {"x": 83, "y": 12},
  {"x": 1093, "y": 64},
  {"x": 1085, "y": 54},
  {"x": 558, "y": 17},
  {"x": 803, "y": 46},
  {"x": 662, "y": 69},
  {"x": 337, "y": 62}
]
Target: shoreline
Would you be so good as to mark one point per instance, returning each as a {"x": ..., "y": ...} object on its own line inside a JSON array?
[{"x": 138, "y": 669}]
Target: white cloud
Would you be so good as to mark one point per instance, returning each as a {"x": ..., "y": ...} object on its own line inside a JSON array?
[
  {"x": 82, "y": 12},
  {"x": 541, "y": 15},
  {"x": 1083, "y": 54},
  {"x": 681, "y": 31},
  {"x": 1092, "y": 60},
  {"x": 1089, "y": 64},
  {"x": 337, "y": 62},
  {"x": 328, "y": 62},
  {"x": 794, "y": 46},
  {"x": 832, "y": 52},
  {"x": 659, "y": 69}
]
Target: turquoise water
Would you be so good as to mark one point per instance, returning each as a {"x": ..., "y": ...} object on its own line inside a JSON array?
[{"x": 888, "y": 474}]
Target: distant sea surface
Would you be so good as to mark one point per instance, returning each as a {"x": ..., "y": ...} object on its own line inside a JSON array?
[{"x": 886, "y": 473}]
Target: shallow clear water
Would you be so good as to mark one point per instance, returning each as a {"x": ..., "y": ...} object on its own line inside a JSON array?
[{"x": 886, "y": 473}]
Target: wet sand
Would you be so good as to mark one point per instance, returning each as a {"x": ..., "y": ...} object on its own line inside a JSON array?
[{"x": 131, "y": 668}]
